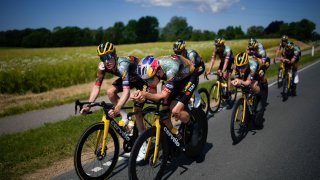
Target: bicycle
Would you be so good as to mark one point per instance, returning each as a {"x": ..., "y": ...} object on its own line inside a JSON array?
[
  {"x": 247, "y": 109},
  {"x": 218, "y": 93},
  {"x": 162, "y": 145},
  {"x": 97, "y": 150},
  {"x": 200, "y": 98},
  {"x": 287, "y": 83},
  {"x": 281, "y": 71}
]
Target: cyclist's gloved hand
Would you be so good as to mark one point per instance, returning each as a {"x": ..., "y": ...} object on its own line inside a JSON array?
[{"x": 85, "y": 110}]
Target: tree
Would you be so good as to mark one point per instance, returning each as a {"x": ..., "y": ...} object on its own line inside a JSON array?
[
  {"x": 255, "y": 31},
  {"x": 129, "y": 33},
  {"x": 177, "y": 28},
  {"x": 273, "y": 28},
  {"x": 147, "y": 29},
  {"x": 38, "y": 38},
  {"x": 231, "y": 32}
]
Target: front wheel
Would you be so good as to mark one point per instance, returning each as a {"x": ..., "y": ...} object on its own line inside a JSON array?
[
  {"x": 89, "y": 160},
  {"x": 238, "y": 125},
  {"x": 146, "y": 168},
  {"x": 215, "y": 98},
  {"x": 280, "y": 78}
]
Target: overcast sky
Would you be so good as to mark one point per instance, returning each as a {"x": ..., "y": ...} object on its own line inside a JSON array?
[{"x": 200, "y": 14}]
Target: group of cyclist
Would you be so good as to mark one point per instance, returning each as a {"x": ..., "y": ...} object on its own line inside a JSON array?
[{"x": 180, "y": 73}]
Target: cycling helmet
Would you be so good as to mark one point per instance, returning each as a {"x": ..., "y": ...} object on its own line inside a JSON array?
[
  {"x": 241, "y": 59},
  {"x": 253, "y": 43},
  {"x": 106, "y": 48},
  {"x": 219, "y": 42},
  {"x": 147, "y": 67},
  {"x": 179, "y": 45},
  {"x": 284, "y": 38},
  {"x": 289, "y": 45}
]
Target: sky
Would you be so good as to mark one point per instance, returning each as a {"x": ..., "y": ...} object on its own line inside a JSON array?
[{"x": 200, "y": 14}]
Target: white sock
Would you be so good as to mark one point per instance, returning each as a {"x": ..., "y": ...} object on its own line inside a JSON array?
[{"x": 124, "y": 114}]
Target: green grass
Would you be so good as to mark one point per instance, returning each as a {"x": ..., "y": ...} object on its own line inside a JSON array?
[{"x": 28, "y": 151}]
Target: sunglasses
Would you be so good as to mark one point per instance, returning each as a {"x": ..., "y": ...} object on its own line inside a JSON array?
[
  {"x": 106, "y": 57},
  {"x": 178, "y": 52},
  {"x": 241, "y": 67}
]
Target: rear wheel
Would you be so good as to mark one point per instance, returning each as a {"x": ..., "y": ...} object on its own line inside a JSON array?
[
  {"x": 196, "y": 143},
  {"x": 238, "y": 126},
  {"x": 285, "y": 90},
  {"x": 89, "y": 160},
  {"x": 215, "y": 98},
  {"x": 146, "y": 169},
  {"x": 205, "y": 100}
]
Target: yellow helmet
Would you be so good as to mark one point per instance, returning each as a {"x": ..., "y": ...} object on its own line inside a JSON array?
[
  {"x": 241, "y": 59},
  {"x": 284, "y": 38},
  {"x": 290, "y": 45},
  {"x": 219, "y": 42},
  {"x": 105, "y": 48},
  {"x": 179, "y": 46},
  {"x": 253, "y": 43}
]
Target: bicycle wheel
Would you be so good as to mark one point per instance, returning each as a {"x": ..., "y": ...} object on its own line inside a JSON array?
[
  {"x": 285, "y": 88},
  {"x": 195, "y": 144},
  {"x": 279, "y": 78},
  {"x": 146, "y": 169},
  {"x": 88, "y": 161},
  {"x": 215, "y": 98},
  {"x": 205, "y": 101},
  {"x": 234, "y": 93},
  {"x": 238, "y": 126}
]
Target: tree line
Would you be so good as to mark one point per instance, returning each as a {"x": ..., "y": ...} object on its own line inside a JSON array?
[{"x": 146, "y": 29}]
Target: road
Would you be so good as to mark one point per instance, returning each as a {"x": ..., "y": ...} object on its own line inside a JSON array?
[{"x": 288, "y": 147}]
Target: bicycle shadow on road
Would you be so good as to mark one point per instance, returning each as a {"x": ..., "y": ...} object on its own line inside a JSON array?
[
  {"x": 252, "y": 129},
  {"x": 180, "y": 162}
]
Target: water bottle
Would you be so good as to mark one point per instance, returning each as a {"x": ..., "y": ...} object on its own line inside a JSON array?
[{"x": 296, "y": 78}]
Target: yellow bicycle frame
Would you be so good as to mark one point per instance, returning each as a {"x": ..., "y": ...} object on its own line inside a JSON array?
[
  {"x": 156, "y": 124},
  {"x": 244, "y": 108},
  {"x": 218, "y": 90},
  {"x": 106, "y": 124}
]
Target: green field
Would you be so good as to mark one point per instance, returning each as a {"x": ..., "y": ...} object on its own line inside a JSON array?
[{"x": 43, "y": 69}]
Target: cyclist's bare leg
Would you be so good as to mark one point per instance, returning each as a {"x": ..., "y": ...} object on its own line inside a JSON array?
[
  {"x": 168, "y": 122},
  {"x": 112, "y": 94},
  {"x": 255, "y": 87},
  {"x": 178, "y": 112},
  {"x": 139, "y": 119}
]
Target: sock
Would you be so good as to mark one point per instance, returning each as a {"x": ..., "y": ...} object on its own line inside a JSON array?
[{"x": 124, "y": 114}]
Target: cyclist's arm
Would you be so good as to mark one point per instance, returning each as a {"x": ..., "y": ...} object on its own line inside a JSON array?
[
  {"x": 97, "y": 86},
  {"x": 213, "y": 59},
  {"x": 123, "y": 99},
  {"x": 225, "y": 64}
]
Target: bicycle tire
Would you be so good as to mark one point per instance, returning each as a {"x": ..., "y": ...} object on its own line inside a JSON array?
[
  {"x": 285, "y": 88},
  {"x": 279, "y": 78},
  {"x": 144, "y": 169},
  {"x": 197, "y": 142},
  {"x": 97, "y": 167},
  {"x": 238, "y": 129},
  {"x": 234, "y": 93},
  {"x": 215, "y": 100},
  {"x": 205, "y": 100}
]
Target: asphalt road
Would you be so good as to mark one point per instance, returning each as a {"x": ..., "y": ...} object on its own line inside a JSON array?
[{"x": 288, "y": 147}]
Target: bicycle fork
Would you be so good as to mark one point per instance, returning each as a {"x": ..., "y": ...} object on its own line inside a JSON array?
[{"x": 106, "y": 124}]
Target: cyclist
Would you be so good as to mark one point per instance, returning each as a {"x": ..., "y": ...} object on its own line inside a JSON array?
[
  {"x": 247, "y": 75},
  {"x": 283, "y": 43},
  {"x": 179, "y": 48},
  {"x": 178, "y": 72},
  {"x": 246, "y": 72},
  {"x": 256, "y": 49},
  {"x": 125, "y": 69},
  {"x": 226, "y": 60},
  {"x": 290, "y": 57}
]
